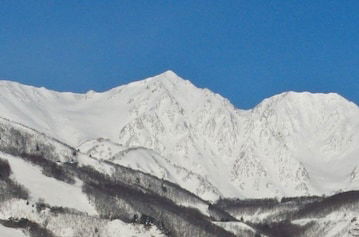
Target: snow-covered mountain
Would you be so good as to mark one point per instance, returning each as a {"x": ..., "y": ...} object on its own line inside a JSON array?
[{"x": 291, "y": 144}]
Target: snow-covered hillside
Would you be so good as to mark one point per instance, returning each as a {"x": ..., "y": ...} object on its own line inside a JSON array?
[
  {"x": 48, "y": 188},
  {"x": 290, "y": 144}
]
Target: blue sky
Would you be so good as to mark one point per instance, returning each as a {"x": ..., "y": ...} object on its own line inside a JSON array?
[{"x": 244, "y": 50}]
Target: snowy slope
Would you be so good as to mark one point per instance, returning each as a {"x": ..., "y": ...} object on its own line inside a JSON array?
[
  {"x": 68, "y": 225},
  {"x": 9, "y": 232},
  {"x": 39, "y": 166},
  {"x": 151, "y": 162},
  {"x": 290, "y": 144},
  {"x": 48, "y": 189}
]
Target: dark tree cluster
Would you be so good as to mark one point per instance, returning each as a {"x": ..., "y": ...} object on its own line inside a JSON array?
[
  {"x": 319, "y": 208},
  {"x": 122, "y": 201},
  {"x": 5, "y": 169},
  {"x": 50, "y": 168},
  {"x": 280, "y": 209},
  {"x": 34, "y": 229},
  {"x": 152, "y": 184},
  {"x": 8, "y": 187},
  {"x": 282, "y": 229}
]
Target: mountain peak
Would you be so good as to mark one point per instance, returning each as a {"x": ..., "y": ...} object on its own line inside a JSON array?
[
  {"x": 169, "y": 80},
  {"x": 305, "y": 98},
  {"x": 168, "y": 74}
]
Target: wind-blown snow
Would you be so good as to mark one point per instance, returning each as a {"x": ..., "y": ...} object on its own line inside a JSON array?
[{"x": 290, "y": 144}]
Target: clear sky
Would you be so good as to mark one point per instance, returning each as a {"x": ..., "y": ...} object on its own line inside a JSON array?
[{"x": 244, "y": 50}]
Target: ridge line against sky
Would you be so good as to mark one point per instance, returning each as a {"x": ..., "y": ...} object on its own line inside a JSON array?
[
  {"x": 166, "y": 77},
  {"x": 244, "y": 50}
]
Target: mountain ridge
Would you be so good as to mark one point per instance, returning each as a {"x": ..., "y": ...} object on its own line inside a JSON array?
[
  {"x": 264, "y": 151},
  {"x": 170, "y": 75}
]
